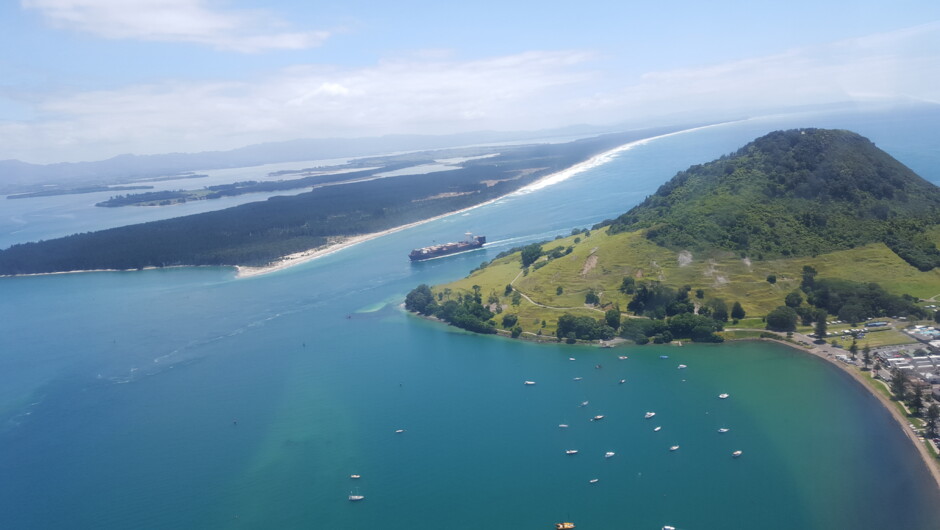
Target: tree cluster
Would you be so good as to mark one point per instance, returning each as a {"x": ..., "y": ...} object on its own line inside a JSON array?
[{"x": 467, "y": 312}]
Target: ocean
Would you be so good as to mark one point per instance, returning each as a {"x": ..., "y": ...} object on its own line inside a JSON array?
[{"x": 188, "y": 398}]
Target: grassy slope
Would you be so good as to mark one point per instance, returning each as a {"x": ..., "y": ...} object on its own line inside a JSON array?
[{"x": 729, "y": 277}]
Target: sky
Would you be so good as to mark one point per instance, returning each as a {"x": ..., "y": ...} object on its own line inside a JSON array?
[{"x": 91, "y": 79}]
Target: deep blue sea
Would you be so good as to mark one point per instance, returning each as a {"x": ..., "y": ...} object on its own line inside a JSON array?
[{"x": 187, "y": 398}]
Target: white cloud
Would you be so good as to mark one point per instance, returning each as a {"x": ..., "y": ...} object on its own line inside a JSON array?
[
  {"x": 894, "y": 65},
  {"x": 436, "y": 93},
  {"x": 173, "y": 21},
  {"x": 400, "y": 96}
]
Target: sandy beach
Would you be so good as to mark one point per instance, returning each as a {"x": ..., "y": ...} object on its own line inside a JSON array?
[{"x": 343, "y": 242}]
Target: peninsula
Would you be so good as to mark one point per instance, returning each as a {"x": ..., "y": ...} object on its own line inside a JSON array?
[
  {"x": 814, "y": 238},
  {"x": 340, "y": 208}
]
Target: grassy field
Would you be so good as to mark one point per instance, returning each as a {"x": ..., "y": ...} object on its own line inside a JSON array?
[{"x": 599, "y": 262}]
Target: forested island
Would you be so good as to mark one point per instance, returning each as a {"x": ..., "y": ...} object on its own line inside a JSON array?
[
  {"x": 796, "y": 228},
  {"x": 261, "y": 232}
]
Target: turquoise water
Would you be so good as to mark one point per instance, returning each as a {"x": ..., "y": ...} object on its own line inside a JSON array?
[{"x": 186, "y": 398}]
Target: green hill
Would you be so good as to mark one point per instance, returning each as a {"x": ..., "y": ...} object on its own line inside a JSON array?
[
  {"x": 822, "y": 213},
  {"x": 794, "y": 193}
]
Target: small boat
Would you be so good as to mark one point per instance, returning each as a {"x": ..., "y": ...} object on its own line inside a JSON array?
[
  {"x": 356, "y": 496},
  {"x": 578, "y": 378},
  {"x": 722, "y": 396},
  {"x": 609, "y": 454},
  {"x": 593, "y": 480},
  {"x": 724, "y": 429},
  {"x": 622, "y": 357},
  {"x": 529, "y": 383},
  {"x": 682, "y": 366},
  {"x": 657, "y": 428},
  {"x": 622, "y": 381},
  {"x": 674, "y": 448},
  {"x": 584, "y": 404},
  {"x": 737, "y": 453},
  {"x": 564, "y": 526},
  {"x": 599, "y": 417},
  {"x": 663, "y": 356},
  {"x": 571, "y": 451},
  {"x": 399, "y": 431},
  {"x": 649, "y": 415},
  {"x": 667, "y": 527},
  {"x": 571, "y": 358},
  {"x": 562, "y": 425},
  {"x": 355, "y": 476}
]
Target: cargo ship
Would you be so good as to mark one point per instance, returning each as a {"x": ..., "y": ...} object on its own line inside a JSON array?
[{"x": 435, "y": 251}]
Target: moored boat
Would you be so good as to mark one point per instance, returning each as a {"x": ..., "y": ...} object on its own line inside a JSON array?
[
  {"x": 649, "y": 415},
  {"x": 737, "y": 453},
  {"x": 674, "y": 448},
  {"x": 723, "y": 396},
  {"x": 609, "y": 454},
  {"x": 724, "y": 429},
  {"x": 564, "y": 526},
  {"x": 571, "y": 451}
]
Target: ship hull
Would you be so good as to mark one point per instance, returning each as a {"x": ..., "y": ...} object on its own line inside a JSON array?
[{"x": 421, "y": 254}]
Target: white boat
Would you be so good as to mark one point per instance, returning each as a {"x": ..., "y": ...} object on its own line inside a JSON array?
[
  {"x": 356, "y": 496},
  {"x": 571, "y": 451},
  {"x": 599, "y": 417},
  {"x": 663, "y": 356},
  {"x": 578, "y": 378},
  {"x": 354, "y": 476},
  {"x": 399, "y": 431},
  {"x": 584, "y": 403},
  {"x": 529, "y": 383},
  {"x": 622, "y": 381},
  {"x": 622, "y": 357},
  {"x": 657, "y": 429},
  {"x": 667, "y": 527},
  {"x": 562, "y": 425},
  {"x": 724, "y": 429},
  {"x": 570, "y": 358},
  {"x": 593, "y": 480},
  {"x": 722, "y": 396},
  {"x": 737, "y": 453},
  {"x": 609, "y": 454},
  {"x": 649, "y": 415},
  {"x": 681, "y": 366},
  {"x": 674, "y": 448}
]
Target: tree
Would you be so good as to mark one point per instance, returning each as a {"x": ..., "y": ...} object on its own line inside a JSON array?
[
  {"x": 866, "y": 357},
  {"x": 419, "y": 299},
  {"x": 509, "y": 320},
  {"x": 516, "y": 298},
  {"x": 628, "y": 285},
  {"x": 719, "y": 309},
  {"x": 560, "y": 290},
  {"x": 821, "y": 326},
  {"x": 782, "y": 319},
  {"x": 771, "y": 279},
  {"x": 793, "y": 299},
  {"x": 699, "y": 293},
  {"x": 737, "y": 312},
  {"x": 898, "y": 381},
  {"x": 591, "y": 298},
  {"x": 917, "y": 400},
  {"x": 612, "y": 316},
  {"x": 508, "y": 290},
  {"x": 853, "y": 349},
  {"x": 933, "y": 414},
  {"x": 530, "y": 253},
  {"x": 516, "y": 331}
]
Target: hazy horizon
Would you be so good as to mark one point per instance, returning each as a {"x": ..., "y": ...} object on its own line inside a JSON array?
[{"x": 97, "y": 78}]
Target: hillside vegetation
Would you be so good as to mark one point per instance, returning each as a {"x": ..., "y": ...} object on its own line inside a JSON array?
[
  {"x": 794, "y": 193},
  {"x": 730, "y": 240}
]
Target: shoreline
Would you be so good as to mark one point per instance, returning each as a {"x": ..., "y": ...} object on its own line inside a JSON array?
[
  {"x": 822, "y": 352},
  {"x": 344, "y": 242}
]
